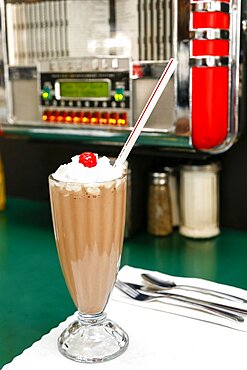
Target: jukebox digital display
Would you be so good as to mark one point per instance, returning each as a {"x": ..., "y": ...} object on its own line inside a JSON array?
[{"x": 87, "y": 89}]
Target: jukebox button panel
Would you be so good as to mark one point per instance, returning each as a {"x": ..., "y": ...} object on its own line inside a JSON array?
[{"x": 97, "y": 93}]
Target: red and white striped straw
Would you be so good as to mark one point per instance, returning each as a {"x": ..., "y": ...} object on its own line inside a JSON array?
[{"x": 152, "y": 101}]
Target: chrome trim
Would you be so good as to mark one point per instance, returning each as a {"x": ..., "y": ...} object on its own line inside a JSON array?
[
  {"x": 210, "y": 6},
  {"x": 22, "y": 73},
  {"x": 235, "y": 27},
  {"x": 210, "y": 34},
  {"x": 8, "y": 87},
  {"x": 182, "y": 54},
  {"x": 209, "y": 61},
  {"x": 103, "y": 136}
]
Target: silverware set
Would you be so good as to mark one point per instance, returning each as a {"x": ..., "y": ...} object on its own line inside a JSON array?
[{"x": 154, "y": 289}]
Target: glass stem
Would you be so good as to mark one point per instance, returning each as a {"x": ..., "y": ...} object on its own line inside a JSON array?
[{"x": 91, "y": 319}]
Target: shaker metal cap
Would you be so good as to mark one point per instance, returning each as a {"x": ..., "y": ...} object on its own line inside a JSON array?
[
  {"x": 209, "y": 167},
  {"x": 169, "y": 170},
  {"x": 158, "y": 178}
]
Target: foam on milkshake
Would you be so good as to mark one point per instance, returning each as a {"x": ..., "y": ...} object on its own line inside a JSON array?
[{"x": 75, "y": 171}]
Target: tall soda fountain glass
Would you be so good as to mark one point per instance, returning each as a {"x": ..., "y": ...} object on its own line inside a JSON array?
[{"x": 88, "y": 220}]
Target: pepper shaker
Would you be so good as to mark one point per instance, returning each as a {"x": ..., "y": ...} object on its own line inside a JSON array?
[{"x": 159, "y": 204}]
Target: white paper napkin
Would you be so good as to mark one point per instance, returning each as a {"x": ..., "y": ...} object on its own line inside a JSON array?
[{"x": 158, "y": 339}]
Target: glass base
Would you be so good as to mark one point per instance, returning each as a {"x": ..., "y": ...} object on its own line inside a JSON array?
[{"x": 92, "y": 338}]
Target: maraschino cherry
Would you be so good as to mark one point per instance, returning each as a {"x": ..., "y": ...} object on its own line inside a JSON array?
[{"x": 88, "y": 159}]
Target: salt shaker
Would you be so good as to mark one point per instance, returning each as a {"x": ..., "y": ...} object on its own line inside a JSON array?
[
  {"x": 159, "y": 204},
  {"x": 199, "y": 200}
]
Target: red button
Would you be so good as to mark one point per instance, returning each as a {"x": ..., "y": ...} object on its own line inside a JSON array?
[
  {"x": 113, "y": 118},
  {"x": 95, "y": 118},
  {"x": 77, "y": 118},
  {"x": 122, "y": 120},
  {"x": 86, "y": 118},
  {"x": 104, "y": 118},
  {"x": 61, "y": 116},
  {"x": 69, "y": 117},
  {"x": 46, "y": 115},
  {"x": 53, "y": 116}
]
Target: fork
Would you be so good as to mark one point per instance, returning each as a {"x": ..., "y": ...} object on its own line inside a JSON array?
[{"x": 144, "y": 297}]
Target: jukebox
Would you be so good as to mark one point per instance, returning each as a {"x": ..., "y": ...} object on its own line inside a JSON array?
[{"x": 91, "y": 65}]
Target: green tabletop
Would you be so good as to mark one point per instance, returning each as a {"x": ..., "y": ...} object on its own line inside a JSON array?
[{"x": 34, "y": 297}]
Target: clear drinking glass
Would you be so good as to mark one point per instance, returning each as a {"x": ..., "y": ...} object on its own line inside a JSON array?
[{"x": 88, "y": 221}]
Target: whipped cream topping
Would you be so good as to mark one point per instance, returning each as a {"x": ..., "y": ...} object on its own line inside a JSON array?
[{"x": 77, "y": 172}]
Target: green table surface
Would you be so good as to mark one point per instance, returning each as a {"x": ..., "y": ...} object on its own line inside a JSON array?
[{"x": 33, "y": 295}]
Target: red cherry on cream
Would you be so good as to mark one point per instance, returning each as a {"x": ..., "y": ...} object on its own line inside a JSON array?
[{"x": 88, "y": 159}]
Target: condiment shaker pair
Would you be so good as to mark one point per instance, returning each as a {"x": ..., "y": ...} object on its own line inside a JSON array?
[{"x": 197, "y": 211}]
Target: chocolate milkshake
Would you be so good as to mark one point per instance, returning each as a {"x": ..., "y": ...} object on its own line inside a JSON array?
[
  {"x": 89, "y": 227},
  {"x": 88, "y": 200}
]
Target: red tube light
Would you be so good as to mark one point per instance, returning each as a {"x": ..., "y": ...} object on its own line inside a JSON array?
[
  {"x": 210, "y": 47},
  {"x": 209, "y": 106},
  {"x": 211, "y": 20}
]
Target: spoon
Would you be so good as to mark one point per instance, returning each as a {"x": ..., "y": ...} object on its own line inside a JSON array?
[{"x": 168, "y": 284}]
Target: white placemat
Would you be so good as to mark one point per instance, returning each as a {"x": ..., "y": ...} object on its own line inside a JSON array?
[{"x": 158, "y": 340}]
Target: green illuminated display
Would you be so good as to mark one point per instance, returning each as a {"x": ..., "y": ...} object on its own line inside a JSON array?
[{"x": 84, "y": 89}]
